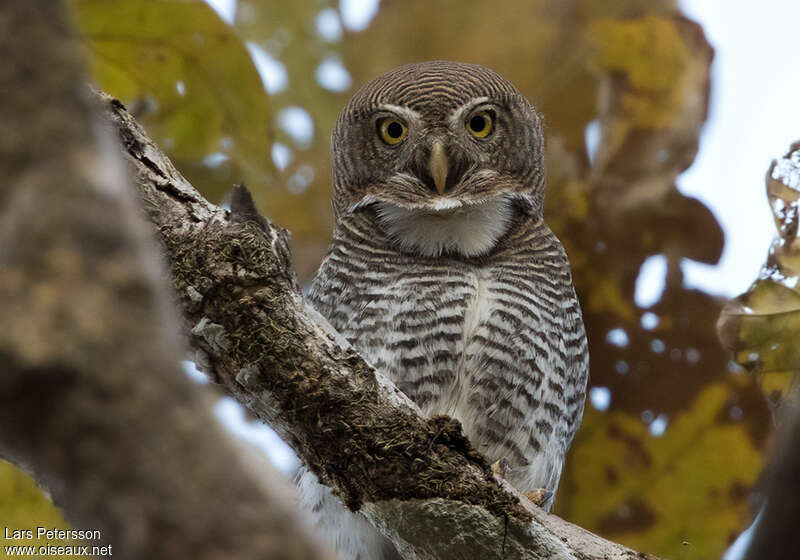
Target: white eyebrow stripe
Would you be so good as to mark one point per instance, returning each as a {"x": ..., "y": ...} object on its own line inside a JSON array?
[
  {"x": 400, "y": 110},
  {"x": 458, "y": 112}
]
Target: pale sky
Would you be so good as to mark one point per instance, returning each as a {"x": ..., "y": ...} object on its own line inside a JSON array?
[{"x": 755, "y": 116}]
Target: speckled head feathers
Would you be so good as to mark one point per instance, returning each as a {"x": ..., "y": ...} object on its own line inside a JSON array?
[
  {"x": 432, "y": 87},
  {"x": 433, "y": 103}
]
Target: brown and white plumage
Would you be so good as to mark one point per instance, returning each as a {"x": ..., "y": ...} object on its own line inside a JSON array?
[{"x": 443, "y": 274}]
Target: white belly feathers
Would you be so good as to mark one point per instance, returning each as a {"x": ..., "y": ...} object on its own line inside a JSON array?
[{"x": 455, "y": 402}]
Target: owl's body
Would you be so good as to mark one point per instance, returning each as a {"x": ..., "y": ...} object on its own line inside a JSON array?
[
  {"x": 495, "y": 342},
  {"x": 449, "y": 282}
]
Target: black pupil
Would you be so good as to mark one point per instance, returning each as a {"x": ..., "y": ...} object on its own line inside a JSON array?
[
  {"x": 477, "y": 123},
  {"x": 394, "y": 130}
]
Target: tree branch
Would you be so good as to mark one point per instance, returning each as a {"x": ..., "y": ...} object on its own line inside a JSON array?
[
  {"x": 92, "y": 400},
  {"x": 418, "y": 480}
]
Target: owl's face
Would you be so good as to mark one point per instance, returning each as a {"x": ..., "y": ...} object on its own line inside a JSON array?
[{"x": 444, "y": 153}]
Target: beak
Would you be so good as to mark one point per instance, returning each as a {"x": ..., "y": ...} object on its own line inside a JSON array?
[{"x": 437, "y": 164}]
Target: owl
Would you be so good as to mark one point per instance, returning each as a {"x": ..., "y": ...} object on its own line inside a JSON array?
[{"x": 445, "y": 277}]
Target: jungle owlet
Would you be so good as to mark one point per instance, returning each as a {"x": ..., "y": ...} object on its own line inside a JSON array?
[{"x": 443, "y": 274}]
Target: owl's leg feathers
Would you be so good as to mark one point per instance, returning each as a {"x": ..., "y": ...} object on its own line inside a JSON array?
[
  {"x": 500, "y": 468},
  {"x": 349, "y": 534},
  {"x": 539, "y": 496}
]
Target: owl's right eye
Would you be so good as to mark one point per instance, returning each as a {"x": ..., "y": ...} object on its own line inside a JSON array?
[{"x": 392, "y": 131}]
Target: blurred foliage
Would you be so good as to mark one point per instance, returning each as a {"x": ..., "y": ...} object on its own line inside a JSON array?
[
  {"x": 288, "y": 32},
  {"x": 661, "y": 492},
  {"x": 24, "y": 506},
  {"x": 761, "y": 326},
  {"x": 186, "y": 73},
  {"x": 669, "y": 466}
]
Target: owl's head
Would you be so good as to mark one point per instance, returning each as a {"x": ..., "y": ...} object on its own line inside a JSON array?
[{"x": 445, "y": 154}]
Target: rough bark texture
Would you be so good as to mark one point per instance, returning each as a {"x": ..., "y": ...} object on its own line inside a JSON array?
[
  {"x": 92, "y": 400},
  {"x": 419, "y": 480}
]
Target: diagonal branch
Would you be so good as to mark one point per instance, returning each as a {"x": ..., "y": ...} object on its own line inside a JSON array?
[{"x": 419, "y": 480}]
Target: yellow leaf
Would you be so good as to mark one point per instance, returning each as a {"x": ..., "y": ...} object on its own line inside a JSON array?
[
  {"x": 23, "y": 505},
  {"x": 655, "y": 493}
]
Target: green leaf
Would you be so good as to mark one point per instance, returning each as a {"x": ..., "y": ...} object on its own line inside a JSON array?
[{"x": 186, "y": 74}]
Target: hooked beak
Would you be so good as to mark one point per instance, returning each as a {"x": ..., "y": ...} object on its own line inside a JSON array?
[{"x": 437, "y": 164}]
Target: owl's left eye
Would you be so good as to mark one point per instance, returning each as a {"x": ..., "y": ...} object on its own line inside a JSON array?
[
  {"x": 392, "y": 131},
  {"x": 480, "y": 124}
]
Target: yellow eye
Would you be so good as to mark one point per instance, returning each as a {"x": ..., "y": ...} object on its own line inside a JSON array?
[
  {"x": 392, "y": 131},
  {"x": 480, "y": 124}
]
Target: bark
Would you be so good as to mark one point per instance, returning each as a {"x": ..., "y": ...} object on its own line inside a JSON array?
[
  {"x": 418, "y": 480},
  {"x": 92, "y": 400}
]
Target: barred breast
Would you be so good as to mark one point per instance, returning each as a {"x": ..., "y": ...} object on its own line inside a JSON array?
[{"x": 496, "y": 342}]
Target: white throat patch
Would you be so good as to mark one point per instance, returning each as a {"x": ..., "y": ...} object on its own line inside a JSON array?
[{"x": 469, "y": 230}]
